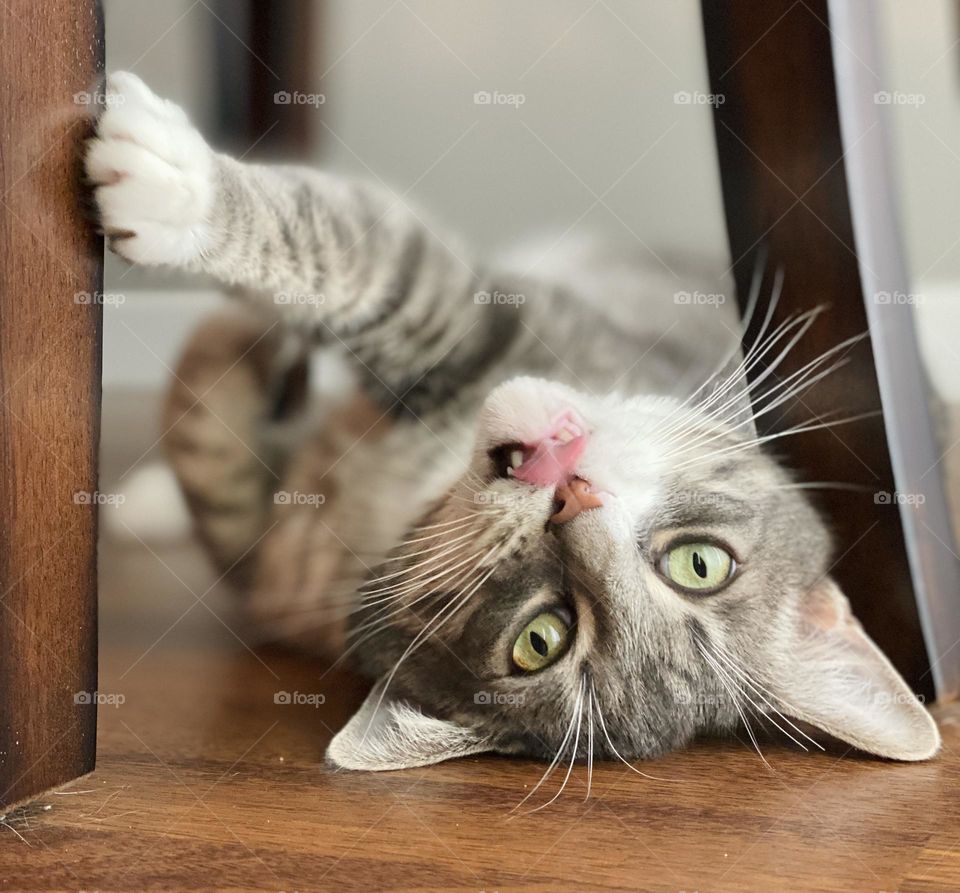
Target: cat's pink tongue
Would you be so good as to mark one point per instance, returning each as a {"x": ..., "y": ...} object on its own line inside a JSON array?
[
  {"x": 553, "y": 459},
  {"x": 551, "y": 463}
]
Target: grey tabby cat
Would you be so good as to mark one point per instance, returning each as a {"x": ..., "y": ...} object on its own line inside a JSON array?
[{"x": 566, "y": 538}]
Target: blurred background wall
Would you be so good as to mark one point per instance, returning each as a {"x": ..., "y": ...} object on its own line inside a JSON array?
[
  {"x": 598, "y": 123},
  {"x": 604, "y": 126}
]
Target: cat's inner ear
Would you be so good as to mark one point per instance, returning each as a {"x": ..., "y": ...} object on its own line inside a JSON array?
[
  {"x": 390, "y": 734},
  {"x": 727, "y": 397},
  {"x": 837, "y": 679}
]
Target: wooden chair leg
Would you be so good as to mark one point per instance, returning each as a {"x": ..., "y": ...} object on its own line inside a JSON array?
[
  {"x": 784, "y": 170},
  {"x": 50, "y": 288}
]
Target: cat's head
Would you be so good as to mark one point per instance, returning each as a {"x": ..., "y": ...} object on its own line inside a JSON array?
[{"x": 615, "y": 576}]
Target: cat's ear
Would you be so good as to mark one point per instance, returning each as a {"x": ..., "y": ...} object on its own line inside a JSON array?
[
  {"x": 838, "y": 680},
  {"x": 390, "y": 734}
]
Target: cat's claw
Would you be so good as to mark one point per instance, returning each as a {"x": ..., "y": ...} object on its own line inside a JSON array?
[{"x": 152, "y": 176}]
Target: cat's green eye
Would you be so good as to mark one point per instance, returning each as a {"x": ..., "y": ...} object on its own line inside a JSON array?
[
  {"x": 542, "y": 641},
  {"x": 697, "y": 566}
]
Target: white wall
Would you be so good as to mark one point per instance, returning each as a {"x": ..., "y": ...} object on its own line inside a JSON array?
[
  {"x": 922, "y": 57},
  {"x": 399, "y": 81},
  {"x": 598, "y": 85}
]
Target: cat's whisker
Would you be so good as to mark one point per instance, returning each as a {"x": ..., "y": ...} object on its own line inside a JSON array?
[
  {"x": 724, "y": 427},
  {"x": 763, "y": 692},
  {"x": 429, "y": 571},
  {"x": 791, "y": 386},
  {"x": 723, "y": 680},
  {"x": 431, "y": 549},
  {"x": 426, "y": 581},
  {"x": 613, "y": 749},
  {"x": 824, "y": 485},
  {"x": 561, "y": 749},
  {"x": 756, "y": 283},
  {"x": 737, "y": 381},
  {"x": 464, "y": 523},
  {"x": 578, "y": 713},
  {"x": 798, "y": 429},
  {"x": 388, "y": 612},
  {"x": 436, "y": 623},
  {"x": 450, "y": 521},
  {"x": 430, "y": 565},
  {"x": 739, "y": 681},
  {"x": 381, "y": 621},
  {"x": 589, "y": 742}
]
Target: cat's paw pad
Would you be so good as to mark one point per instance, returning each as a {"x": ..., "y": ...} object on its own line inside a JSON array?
[{"x": 152, "y": 175}]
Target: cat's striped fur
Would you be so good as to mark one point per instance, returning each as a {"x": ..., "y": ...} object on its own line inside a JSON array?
[{"x": 456, "y": 357}]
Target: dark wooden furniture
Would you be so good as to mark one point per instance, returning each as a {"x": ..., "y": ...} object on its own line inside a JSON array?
[
  {"x": 784, "y": 166},
  {"x": 50, "y": 282},
  {"x": 266, "y": 57}
]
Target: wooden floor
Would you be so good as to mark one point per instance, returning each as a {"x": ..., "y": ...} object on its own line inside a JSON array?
[{"x": 204, "y": 782}]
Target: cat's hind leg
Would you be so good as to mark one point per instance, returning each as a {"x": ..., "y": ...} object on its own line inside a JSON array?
[{"x": 230, "y": 430}]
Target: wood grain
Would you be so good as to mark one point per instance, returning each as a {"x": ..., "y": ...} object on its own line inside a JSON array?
[
  {"x": 784, "y": 186},
  {"x": 50, "y": 267},
  {"x": 205, "y": 783}
]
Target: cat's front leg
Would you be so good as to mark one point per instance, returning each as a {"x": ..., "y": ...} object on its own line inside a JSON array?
[
  {"x": 153, "y": 176},
  {"x": 347, "y": 262}
]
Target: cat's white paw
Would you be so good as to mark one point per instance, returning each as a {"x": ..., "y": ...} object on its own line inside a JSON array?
[{"x": 153, "y": 176}]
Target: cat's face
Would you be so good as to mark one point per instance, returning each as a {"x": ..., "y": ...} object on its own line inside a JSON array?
[{"x": 612, "y": 577}]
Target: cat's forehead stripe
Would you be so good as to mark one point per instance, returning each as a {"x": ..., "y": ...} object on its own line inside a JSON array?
[{"x": 709, "y": 508}]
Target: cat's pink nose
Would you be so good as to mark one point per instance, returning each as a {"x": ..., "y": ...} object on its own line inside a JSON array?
[{"x": 573, "y": 498}]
